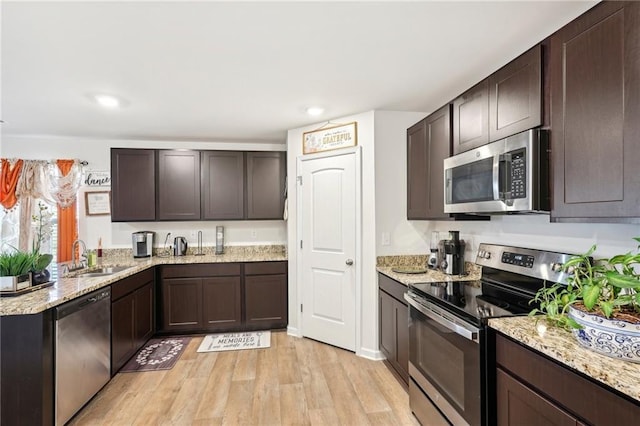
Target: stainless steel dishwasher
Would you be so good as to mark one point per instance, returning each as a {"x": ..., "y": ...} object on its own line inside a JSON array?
[{"x": 82, "y": 351}]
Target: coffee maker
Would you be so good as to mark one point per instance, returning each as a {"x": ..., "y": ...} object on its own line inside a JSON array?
[
  {"x": 142, "y": 243},
  {"x": 452, "y": 250}
]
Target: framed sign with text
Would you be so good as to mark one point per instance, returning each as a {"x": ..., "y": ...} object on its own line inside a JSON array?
[
  {"x": 328, "y": 138},
  {"x": 97, "y": 178},
  {"x": 97, "y": 203}
]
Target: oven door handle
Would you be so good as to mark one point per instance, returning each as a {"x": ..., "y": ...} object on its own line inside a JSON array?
[{"x": 469, "y": 333}]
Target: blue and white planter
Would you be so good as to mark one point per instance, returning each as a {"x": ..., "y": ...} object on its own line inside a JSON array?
[{"x": 610, "y": 337}]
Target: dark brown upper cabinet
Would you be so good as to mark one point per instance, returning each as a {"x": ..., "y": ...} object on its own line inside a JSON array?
[
  {"x": 266, "y": 174},
  {"x": 178, "y": 185},
  {"x": 222, "y": 185},
  {"x": 133, "y": 188},
  {"x": 595, "y": 69},
  {"x": 471, "y": 118},
  {"x": 509, "y": 101},
  {"x": 515, "y": 96},
  {"x": 428, "y": 144}
]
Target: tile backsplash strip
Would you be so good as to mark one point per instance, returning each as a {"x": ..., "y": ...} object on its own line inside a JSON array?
[{"x": 208, "y": 250}]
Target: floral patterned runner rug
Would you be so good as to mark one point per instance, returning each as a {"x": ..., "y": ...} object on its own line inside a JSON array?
[
  {"x": 235, "y": 341},
  {"x": 157, "y": 354}
]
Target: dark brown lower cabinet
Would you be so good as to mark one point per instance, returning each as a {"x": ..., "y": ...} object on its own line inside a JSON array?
[
  {"x": 223, "y": 297},
  {"x": 532, "y": 389},
  {"x": 132, "y": 321},
  {"x": 394, "y": 325},
  {"x": 265, "y": 290}
]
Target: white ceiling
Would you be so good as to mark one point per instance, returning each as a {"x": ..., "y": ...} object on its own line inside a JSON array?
[{"x": 246, "y": 71}]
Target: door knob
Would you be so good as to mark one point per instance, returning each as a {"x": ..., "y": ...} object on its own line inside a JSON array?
[{"x": 349, "y": 262}]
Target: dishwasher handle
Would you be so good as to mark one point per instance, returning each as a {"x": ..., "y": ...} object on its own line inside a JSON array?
[{"x": 82, "y": 302}]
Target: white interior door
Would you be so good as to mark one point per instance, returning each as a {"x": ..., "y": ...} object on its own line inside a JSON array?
[{"x": 328, "y": 214}]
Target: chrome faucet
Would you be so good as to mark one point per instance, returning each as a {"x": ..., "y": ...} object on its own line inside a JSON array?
[{"x": 83, "y": 256}]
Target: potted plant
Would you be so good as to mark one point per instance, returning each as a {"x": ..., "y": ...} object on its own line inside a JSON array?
[
  {"x": 15, "y": 269},
  {"x": 600, "y": 304},
  {"x": 43, "y": 230}
]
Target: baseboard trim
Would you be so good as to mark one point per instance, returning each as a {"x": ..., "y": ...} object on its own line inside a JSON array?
[
  {"x": 374, "y": 355},
  {"x": 293, "y": 331}
]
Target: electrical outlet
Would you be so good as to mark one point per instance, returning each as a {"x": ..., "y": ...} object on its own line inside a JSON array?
[
  {"x": 254, "y": 234},
  {"x": 386, "y": 239},
  {"x": 192, "y": 234}
]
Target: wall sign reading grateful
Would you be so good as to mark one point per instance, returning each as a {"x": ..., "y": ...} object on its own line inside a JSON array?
[
  {"x": 97, "y": 178},
  {"x": 328, "y": 138}
]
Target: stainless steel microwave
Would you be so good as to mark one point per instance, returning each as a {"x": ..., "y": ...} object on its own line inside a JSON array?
[{"x": 507, "y": 176}]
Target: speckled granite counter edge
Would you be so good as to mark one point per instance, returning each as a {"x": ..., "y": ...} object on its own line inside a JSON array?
[
  {"x": 561, "y": 346},
  {"x": 473, "y": 274},
  {"x": 69, "y": 288}
]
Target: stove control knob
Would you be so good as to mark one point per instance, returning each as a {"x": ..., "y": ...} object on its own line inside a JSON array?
[
  {"x": 481, "y": 253},
  {"x": 487, "y": 255},
  {"x": 571, "y": 270},
  {"x": 556, "y": 267}
]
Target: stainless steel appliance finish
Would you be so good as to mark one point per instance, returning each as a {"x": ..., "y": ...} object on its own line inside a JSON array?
[
  {"x": 142, "y": 243},
  {"x": 448, "y": 362},
  {"x": 179, "y": 246},
  {"x": 453, "y": 255},
  {"x": 219, "y": 239},
  {"x": 507, "y": 176},
  {"x": 82, "y": 351}
]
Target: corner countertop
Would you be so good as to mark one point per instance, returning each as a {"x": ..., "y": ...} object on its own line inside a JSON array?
[
  {"x": 431, "y": 276},
  {"x": 69, "y": 288},
  {"x": 560, "y": 345}
]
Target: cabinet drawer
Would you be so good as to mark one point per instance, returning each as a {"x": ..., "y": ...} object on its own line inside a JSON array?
[
  {"x": 594, "y": 403},
  {"x": 265, "y": 268},
  {"x": 130, "y": 284},
  {"x": 392, "y": 287},
  {"x": 200, "y": 270}
]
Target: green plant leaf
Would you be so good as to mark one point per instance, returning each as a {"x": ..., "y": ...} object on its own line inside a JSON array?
[
  {"x": 590, "y": 295},
  {"x": 622, "y": 281},
  {"x": 607, "y": 308},
  {"x": 573, "y": 324}
]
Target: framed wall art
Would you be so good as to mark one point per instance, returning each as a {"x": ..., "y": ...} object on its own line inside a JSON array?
[
  {"x": 329, "y": 138},
  {"x": 97, "y": 203}
]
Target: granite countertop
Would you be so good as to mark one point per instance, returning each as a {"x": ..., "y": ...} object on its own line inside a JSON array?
[
  {"x": 69, "y": 287},
  {"x": 473, "y": 274},
  {"x": 561, "y": 346}
]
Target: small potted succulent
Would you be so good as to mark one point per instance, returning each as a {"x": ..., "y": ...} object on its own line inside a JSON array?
[
  {"x": 15, "y": 269},
  {"x": 600, "y": 304}
]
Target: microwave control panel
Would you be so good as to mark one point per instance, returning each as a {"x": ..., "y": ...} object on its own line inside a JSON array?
[{"x": 518, "y": 174}]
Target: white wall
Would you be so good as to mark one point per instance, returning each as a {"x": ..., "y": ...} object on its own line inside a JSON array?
[
  {"x": 534, "y": 231},
  {"x": 118, "y": 235}
]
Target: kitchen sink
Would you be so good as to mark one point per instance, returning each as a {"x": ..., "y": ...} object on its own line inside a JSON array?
[{"x": 102, "y": 271}]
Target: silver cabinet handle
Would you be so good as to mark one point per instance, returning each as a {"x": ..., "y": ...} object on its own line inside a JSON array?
[{"x": 349, "y": 262}]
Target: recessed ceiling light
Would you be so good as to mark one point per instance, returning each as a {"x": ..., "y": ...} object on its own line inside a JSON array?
[
  {"x": 315, "y": 110},
  {"x": 107, "y": 101}
]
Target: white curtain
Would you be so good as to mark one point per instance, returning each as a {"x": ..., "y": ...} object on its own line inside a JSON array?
[{"x": 33, "y": 185}]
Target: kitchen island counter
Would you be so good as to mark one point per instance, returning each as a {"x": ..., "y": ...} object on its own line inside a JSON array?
[
  {"x": 69, "y": 287},
  {"x": 561, "y": 346}
]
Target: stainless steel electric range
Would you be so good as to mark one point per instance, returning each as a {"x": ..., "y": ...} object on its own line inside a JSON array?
[{"x": 448, "y": 348}]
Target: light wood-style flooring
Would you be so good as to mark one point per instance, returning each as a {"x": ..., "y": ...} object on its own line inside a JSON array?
[{"x": 294, "y": 382}]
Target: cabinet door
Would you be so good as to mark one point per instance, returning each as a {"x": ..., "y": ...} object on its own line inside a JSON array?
[
  {"x": 122, "y": 332},
  {"x": 471, "y": 118},
  {"x": 265, "y": 301},
  {"x": 143, "y": 320},
  {"x": 133, "y": 191},
  {"x": 515, "y": 96},
  {"x": 417, "y": 171},
  {"x": 222, "y": 185},
  {"x": 388, "y": 326},
  {"x": 402, "y": 332},
  {"x": 221, "y": 303},
  {"x": 178, "y": 185},
  {"x": 519, "y": 405},
  {"x": 265, "y": 184},
  {"x": 181, "y": 304},
  {"x": 595, "y": 63}
]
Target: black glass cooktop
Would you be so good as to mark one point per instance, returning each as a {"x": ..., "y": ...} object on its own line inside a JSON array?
[{"x": 476, "y": 300}]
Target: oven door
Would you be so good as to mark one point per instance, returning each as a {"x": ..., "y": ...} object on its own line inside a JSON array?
[{"x": 445, "y": 360}]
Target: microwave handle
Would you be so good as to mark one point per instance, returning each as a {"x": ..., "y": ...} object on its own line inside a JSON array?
[
  {"x": 496, "y": 178},
  {"x": 504, "y": 178}
]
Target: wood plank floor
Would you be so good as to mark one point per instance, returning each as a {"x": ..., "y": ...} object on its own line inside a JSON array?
[{"x": 294, "y": 382}]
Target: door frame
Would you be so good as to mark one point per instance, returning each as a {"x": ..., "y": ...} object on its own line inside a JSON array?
[{"x": 300, "y": 160}]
